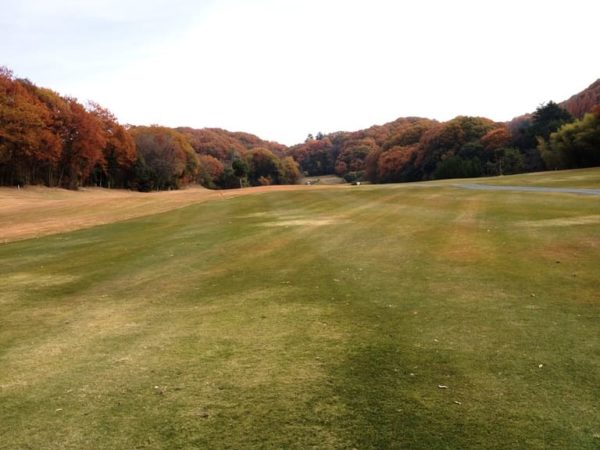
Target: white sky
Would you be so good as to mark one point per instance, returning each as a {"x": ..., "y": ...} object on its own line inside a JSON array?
[{"x": 283, "y": 69}]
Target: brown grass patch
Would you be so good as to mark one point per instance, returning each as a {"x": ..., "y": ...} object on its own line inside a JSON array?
[
  {"x": 463, "y": 243},
  {"x": 301, "y": 222},
  {"x": 39, "y": 211},
  {"x": 562, "y": 222}
]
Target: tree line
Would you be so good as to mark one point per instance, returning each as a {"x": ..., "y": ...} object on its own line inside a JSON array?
[
  {"x": 414, "y": 149},
  {"x": 49, "y": 139},
  {"x": 53, "y": 140}
]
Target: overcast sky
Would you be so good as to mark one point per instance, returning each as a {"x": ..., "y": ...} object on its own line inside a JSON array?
[{"x": 283, "y": 69}]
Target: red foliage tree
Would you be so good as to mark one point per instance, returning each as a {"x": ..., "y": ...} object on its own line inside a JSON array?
[
  {"x": 497, "y": 138},
  {"x": 210, "y": 170},
  {"x": 316, "y": 156},
  {"x": 393, "y": 164}
]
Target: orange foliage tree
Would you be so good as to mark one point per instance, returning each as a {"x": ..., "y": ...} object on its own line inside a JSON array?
[
  {"x": 27, "y": 146},
  {"x": 46, "y": 138},
  {"x": 118, "y": 153},
  {"x": 289, "y": 171},
  {"x": 82, "y": 146}
]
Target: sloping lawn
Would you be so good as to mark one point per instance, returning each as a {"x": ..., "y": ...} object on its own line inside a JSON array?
[{"x": 404, "y": 316}]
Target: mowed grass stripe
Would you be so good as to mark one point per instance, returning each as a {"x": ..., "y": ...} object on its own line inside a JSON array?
[{"x": 324, "y": 319}]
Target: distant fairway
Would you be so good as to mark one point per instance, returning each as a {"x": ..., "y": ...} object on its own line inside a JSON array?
[{"x": 418, "y": 316}]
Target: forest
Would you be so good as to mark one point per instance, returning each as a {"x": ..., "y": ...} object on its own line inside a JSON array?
[{"x": 53, "y": 140}]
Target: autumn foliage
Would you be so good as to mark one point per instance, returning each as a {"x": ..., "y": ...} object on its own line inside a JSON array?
[
  {"x": 49, "y": 139},
  {"x": 410, "y": 149},
  {"x": 56, "y": 141},
  {"x": 584, "y": 102},
  {"x": 235, "y": 159},
  {"x": 413, "y": 149}
]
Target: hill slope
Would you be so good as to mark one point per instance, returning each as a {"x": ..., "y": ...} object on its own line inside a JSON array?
[
  {"x": 584, "y": 101},
  {"x": 577, "y": 105}
]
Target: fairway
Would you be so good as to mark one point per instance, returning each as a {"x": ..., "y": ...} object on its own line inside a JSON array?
[{"x": 419, "y": 316}]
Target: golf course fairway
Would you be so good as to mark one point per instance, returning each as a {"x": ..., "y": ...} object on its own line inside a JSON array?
[{"x": 420, "y": 316}]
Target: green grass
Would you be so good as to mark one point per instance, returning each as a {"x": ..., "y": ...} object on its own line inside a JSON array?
[
  {"x": 310, "y": 319},
  {"x": 579, "y": 178}
]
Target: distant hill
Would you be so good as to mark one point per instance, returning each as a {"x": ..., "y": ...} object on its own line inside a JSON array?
[
  {"x": 583, "y": 102},
  {"x": 53, "y": 140},
  {"x": 225, "y": 145},
  {"x": 577, "y": 105}
]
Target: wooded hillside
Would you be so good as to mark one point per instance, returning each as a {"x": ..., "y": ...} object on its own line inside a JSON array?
[{"x": 49, "y": 139}]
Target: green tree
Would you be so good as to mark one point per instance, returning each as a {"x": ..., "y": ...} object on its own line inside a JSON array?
[
  {"x": 510, "y": 160},
  {"x": 575, "y": 144},
  {"x": 546, "y": 119},
  {"x": 241, "y": 169},
  {"x": 228, "y": 179},
  {"x": 457, "y": 167}
]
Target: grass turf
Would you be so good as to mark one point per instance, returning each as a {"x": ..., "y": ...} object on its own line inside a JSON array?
[
  {"x": 398, "y": 316},
  {"x": 578, "y": 178}
]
